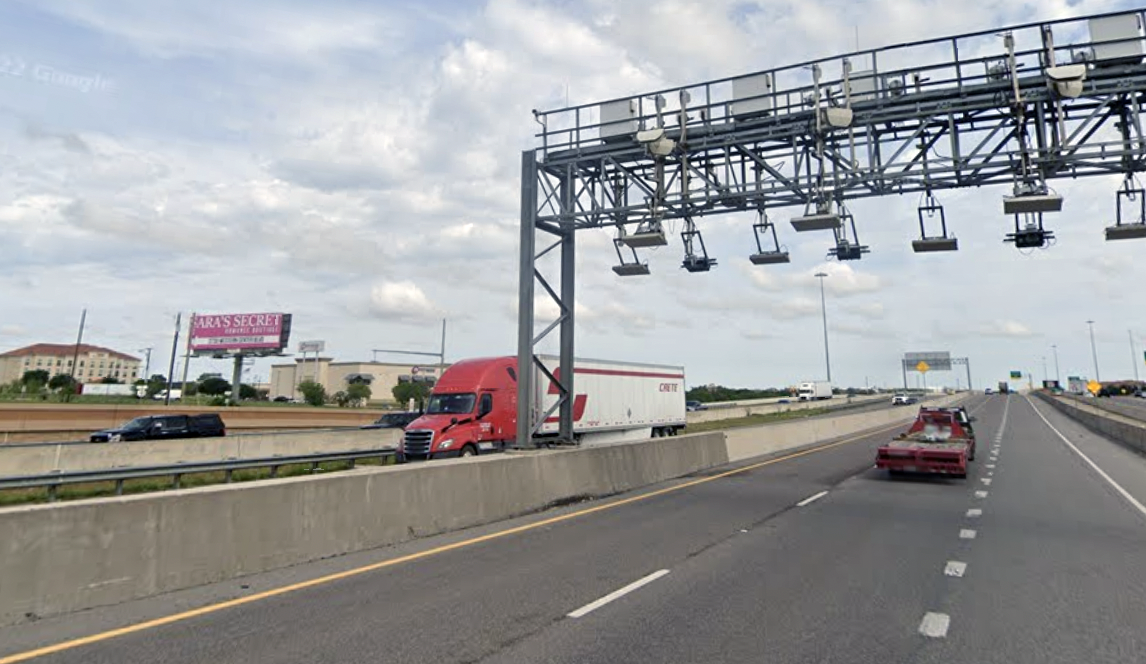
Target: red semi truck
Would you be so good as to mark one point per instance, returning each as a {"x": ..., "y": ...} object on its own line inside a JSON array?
[
  {"x": 473, "y": 407},
  {"x": 940, "y": 441}
]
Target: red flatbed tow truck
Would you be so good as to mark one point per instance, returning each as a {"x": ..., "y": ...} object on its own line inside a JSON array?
[{"x": 940, "y": 441}]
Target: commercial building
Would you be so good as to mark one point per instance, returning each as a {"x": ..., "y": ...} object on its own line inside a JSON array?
[
  {"x": 336, "y": 376},
  {"x": 93, "y": 363}
]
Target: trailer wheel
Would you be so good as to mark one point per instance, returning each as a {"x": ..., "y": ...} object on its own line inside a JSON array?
[{"x": 468, "y": 451}]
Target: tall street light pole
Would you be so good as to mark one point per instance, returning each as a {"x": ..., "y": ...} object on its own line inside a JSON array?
[
  {"x": 1057, "y": 375},
  {"x": 1094, "y": 351},
  {"x": 1133, "y": 354},
  {"x": 824, "y": 311}
]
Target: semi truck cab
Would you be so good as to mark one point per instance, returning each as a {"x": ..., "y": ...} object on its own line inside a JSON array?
[{"x": 473, "y": 409}]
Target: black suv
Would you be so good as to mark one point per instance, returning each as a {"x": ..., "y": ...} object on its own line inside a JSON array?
[
  {"x": 160, "y": 427},
  {"x": 393, "y": 421}
]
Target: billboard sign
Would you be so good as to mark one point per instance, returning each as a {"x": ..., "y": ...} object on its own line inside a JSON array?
[
  {"x": 935, "y": 361},
  {"x": 311, "y": 346},
  {"x": 222, "y": 333}
]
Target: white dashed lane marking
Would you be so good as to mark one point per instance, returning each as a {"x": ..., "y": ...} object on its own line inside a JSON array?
[
  {"x": 935, "y": 625},
  {"x": 955, "y": 568}
]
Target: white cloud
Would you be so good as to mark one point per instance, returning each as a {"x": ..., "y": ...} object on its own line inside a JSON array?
[
  {"x": 843, "y": 280},
  {"x": 271, "y": 29},
  {"x": 762, "y": 278},
  {"x": 794, "y": 308},
  {"x": 1005, "y": 328},
  {"x": 868, "y": 310},
  {"x": 402, "y": 301}
]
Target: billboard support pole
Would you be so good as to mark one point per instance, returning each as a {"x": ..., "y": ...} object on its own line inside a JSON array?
[
  {"x": 187, "y": 355},
  {"x": 171, "y": 365},
  {"x": 236, "y": 379}
]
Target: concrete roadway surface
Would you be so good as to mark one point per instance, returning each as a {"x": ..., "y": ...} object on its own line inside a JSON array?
[{"x": 1037, "y": 557}]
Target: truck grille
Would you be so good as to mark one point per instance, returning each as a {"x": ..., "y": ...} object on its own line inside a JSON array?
[{"x": 417, "y": 442}]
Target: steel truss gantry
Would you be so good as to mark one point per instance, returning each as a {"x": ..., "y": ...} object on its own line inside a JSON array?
[{"x": 1045, "y": 101}]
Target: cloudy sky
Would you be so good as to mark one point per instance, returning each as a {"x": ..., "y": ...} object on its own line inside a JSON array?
[{"x": 357, "y": 163}]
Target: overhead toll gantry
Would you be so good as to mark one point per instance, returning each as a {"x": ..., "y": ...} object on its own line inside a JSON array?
[{"x": 1019, "y": 107}]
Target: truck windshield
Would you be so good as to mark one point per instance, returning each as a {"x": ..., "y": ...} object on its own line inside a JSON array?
[{"x": 456, "y": 404}]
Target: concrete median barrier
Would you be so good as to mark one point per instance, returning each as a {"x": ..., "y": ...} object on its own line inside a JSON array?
[
  {"x": 68, "y": 556},
  {"x": 1125, "y": 430},
  {"x": 720, "y": 412},
  {"x": 74, "y": 457},
  {"x": 757, "y": 441}
]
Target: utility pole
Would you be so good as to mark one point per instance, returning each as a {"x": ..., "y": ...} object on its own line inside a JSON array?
[
  {"x": 187, "y": 354},
  {"x": 174, "y": 351},
  {"x": 442, "y": 356},
  {"x": 824, "y": 311},
  {"x": 1094, "y": 351},
  {"x": 146, "y": 362},
  {"x": 76, "y": 354},
  {"x": 1133, "y": 354}
]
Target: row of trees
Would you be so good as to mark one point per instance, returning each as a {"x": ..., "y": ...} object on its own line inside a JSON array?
[
  {"x": 710, "y": 393},
  {"x": 356, "y": 393}
]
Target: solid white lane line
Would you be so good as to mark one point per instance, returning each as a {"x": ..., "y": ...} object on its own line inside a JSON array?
[
  {"x": 980, "y": 494},
  {"x": 811, "y": 499},
  {"x": 972, "y": 513},
  {"x": 955, "y": 568},
  {"x": 617, "y": 594},
  {"x": 935, "y": 625},
  {"x": 967, "y": 533},
  {"x": 1102, "y": 473}
]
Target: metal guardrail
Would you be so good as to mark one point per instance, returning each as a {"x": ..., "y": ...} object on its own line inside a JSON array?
[{"x": 53, "y": 481}]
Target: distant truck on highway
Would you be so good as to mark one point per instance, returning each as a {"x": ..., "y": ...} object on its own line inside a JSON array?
[
  {"x": 940, "y": 441},
  {"x": 814, "y": 390},
  {"x": 473, "y": 407}
]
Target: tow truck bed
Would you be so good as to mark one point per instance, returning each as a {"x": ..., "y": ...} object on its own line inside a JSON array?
[{"x": 938, "y": 442}]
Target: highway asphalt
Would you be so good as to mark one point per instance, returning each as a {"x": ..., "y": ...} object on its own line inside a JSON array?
[{"x": 756, "y": 566}]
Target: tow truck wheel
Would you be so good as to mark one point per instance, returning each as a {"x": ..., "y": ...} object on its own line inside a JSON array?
[{"x": 469, "y": 451}]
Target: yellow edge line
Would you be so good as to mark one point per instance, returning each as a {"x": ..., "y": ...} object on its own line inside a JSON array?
[{"x": 322, "y": 580}]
